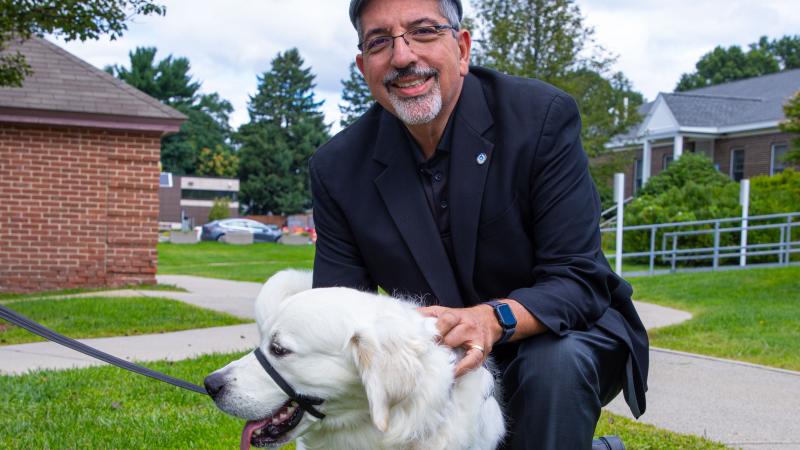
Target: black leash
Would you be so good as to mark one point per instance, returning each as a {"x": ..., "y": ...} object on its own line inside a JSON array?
[{"x": 36, "y": 328}]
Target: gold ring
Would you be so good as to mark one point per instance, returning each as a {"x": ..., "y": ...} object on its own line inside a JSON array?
[{"x": 478, "y": 348}]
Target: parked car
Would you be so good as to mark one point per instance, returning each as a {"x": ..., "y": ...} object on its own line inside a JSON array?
[{"x": 213, "y": 231}]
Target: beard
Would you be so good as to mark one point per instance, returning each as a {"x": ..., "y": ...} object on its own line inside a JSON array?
[{"x": 417, "y": 110}]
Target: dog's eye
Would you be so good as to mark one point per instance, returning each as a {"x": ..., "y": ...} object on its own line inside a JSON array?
[{"x": 277, "y": 350}]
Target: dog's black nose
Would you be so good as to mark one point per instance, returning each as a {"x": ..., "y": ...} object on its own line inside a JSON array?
[{"x": 214, "y": 384}]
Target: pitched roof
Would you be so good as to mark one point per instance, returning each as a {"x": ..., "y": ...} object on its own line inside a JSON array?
[
  {"x": 745, "y": 104},
  {"x": 62, "y": 83},
  {"x": 707, "y": 111},
  {"x": 752, "y": 100}
]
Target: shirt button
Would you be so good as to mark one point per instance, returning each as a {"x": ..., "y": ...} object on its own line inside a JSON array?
[
  {"x": 438, "y": 176},
  {"x": 443, "y": 204}
]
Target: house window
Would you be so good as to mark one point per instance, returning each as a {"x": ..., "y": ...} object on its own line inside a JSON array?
[
  {"x": 737, "y": 164},
  {"x": 776, "y": 163},
  {"x": 667, "y": 161},
  {"x": 199, "y": 194},
  {"x": 165, "y": 180},
  {"x": 637, "y": 175}
]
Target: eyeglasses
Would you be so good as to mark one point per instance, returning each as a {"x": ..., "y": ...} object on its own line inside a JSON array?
[{"x": 419, "y": 35}]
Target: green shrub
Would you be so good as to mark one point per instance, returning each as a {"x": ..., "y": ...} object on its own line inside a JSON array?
[
  {"x": 219, "y": 210},
  {"x": 691, "y": 189},
  {"x": 691, "y": 167}
]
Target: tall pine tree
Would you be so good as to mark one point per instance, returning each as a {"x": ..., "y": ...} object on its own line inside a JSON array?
[
  {"x": 356, "y": 96},
  {"x": 286, "y": 126},
  {"x": 169, "y": 80}
]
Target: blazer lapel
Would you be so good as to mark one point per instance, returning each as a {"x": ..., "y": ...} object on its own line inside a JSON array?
[
  {"x": 405, "y": 200},
  {"x": 471, "y": 158}
]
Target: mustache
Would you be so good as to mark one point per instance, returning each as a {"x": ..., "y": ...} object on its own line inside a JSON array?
[{"x": 410, "y": 71}]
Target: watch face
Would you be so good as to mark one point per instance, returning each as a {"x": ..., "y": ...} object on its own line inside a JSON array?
[{"x": 505, "y": 316}]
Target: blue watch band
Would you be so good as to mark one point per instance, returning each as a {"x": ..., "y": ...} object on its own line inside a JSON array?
[{"x": 505, "y": 317}]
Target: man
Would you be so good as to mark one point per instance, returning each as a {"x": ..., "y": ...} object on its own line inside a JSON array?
[{"x": 470, "y": 190}]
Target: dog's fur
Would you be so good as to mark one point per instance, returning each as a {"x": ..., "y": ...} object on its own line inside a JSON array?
[{"x": 375, "y": 362}]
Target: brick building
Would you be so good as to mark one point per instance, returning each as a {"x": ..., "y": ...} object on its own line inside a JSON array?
[
  {"x": 735, "y": 124},
  {"x": 194, "y": 196},
  {"x": 79, "y": 172}
]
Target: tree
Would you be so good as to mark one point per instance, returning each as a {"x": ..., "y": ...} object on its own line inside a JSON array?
[
  {"x": 792, "y": 125},
  {"x": 72, "y": 19},
  {"x": 787, "y": 50},
  {"x": 356, "y": 96},
  {"x": 220, "y": 209},
  {"x": 547, "y": 39},
  {"x": 722, "y": 65},
  {"x": 544, "y": 39},
  {"x": 169, "y": 81},
  {"x": 286, "y": 126},
  {"x": 218, "y": 162}
]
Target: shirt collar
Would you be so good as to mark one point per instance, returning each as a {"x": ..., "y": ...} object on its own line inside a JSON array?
[{"x": 442, "y": 148}]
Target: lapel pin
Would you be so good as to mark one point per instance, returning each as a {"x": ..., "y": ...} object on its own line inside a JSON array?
[{"x": 481, "y": 158}]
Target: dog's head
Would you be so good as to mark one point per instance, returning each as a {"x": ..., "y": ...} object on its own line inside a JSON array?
[{"x": 362, "y": 354}]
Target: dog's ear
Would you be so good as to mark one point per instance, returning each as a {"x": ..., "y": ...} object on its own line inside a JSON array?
[
  {"x": 278, "y": 288},
  {"x": 388, "y": 361}
]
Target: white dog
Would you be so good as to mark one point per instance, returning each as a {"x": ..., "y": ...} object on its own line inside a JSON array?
[{"x": 373, "y": 362}]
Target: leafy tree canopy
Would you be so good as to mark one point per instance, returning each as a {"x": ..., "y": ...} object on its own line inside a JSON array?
[
  {"x": 218, "y": 162},
  {"x": 722, "y": 65},
  {"x": 207, "y": 125},
  {"x": 286, "y": 126},
  {"x": 548, "y": 40},
  {"x": 792, "y": 125},
  {"x": 356, "y": 96},
  {"x": 72, "y": 19}
]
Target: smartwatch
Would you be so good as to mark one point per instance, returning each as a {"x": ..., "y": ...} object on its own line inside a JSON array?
[{"x": 505, "y": 316}]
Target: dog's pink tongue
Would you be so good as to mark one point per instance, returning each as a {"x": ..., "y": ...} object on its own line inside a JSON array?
[{"x": 247, "y": 432}]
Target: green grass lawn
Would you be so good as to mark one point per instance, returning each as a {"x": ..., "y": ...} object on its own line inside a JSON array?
[
  {"x": 750, "y": 315},
  {"x": 255, "y": 262},
  {"x": 106, "y": 407},
  {"x": 85, "y": 317}
]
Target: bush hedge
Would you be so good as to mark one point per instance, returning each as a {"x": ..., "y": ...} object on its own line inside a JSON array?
[{"x": 691, "y": 189}]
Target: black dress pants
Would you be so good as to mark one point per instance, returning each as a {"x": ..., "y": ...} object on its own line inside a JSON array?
[{"x": 553, "y": 387}]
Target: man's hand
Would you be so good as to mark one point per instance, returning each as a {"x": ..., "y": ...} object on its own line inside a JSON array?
[{"x": 469, "y": 328}]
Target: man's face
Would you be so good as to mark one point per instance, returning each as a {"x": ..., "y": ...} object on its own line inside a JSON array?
[{"x": 421, "y": 81}]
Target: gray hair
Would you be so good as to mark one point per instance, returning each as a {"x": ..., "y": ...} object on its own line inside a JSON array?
[{"x": 447, "y": 8}]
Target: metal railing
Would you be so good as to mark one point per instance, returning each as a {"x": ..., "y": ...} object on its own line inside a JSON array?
[
  {"x": 672, "y": 252},
  {"x": 608, "y": 220}
]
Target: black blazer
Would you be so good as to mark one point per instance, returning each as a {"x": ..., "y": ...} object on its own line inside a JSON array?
[{"x": 524, "y": 224}]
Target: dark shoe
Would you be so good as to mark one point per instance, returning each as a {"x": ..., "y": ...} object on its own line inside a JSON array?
[{"x": 607, "y": 443}]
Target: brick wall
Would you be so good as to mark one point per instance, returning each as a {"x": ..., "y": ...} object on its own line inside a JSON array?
[
  {"x": 78, "y": 207},
  {"x": 757, "y": 159},
  {"x": 757, "y": 152}
]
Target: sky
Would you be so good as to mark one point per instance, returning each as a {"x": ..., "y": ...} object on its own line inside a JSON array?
[{"x": 230, "y": 43}]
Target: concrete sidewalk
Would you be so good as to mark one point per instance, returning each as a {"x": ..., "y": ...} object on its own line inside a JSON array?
[
  {"x": 739, "y": 404},
  {"x": 742, "y": 405}
]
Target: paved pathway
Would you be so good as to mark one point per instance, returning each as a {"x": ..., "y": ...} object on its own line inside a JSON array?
[{"x": 742, "y": 405}]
